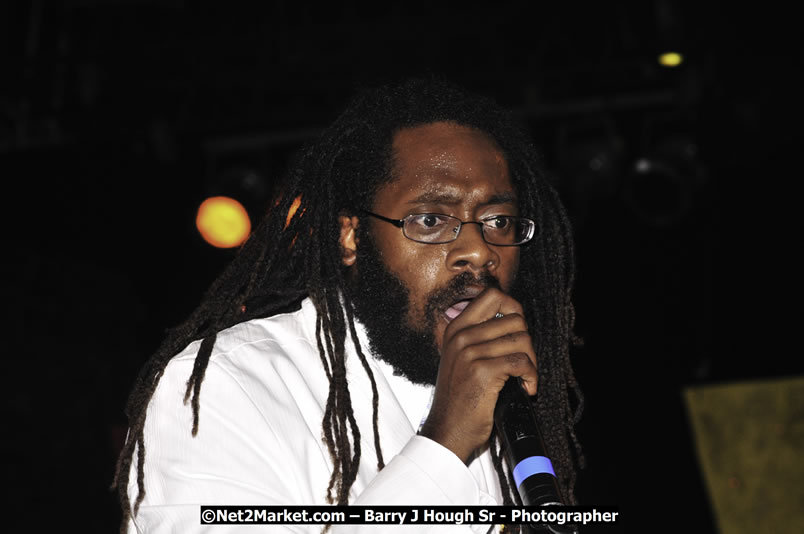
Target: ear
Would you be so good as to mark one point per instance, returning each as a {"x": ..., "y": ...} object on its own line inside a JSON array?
[{"x": 348, "y": 240}]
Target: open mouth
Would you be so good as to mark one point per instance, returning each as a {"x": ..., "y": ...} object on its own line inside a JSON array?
[
  {"x": 460, "y": 301},
  {"x": 456, "y": 309},
  {"x": 448, "y": 303}
]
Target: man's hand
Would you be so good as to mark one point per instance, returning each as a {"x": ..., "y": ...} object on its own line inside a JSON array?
[{"x": 478, "y": 354}]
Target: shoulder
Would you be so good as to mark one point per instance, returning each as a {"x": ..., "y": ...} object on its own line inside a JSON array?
[
  {"x": 272, "y": 361},
  {"x": 261, "y": 387},
  {"x": 260, "y": 344},
  {"x": 264, "y": 379}
]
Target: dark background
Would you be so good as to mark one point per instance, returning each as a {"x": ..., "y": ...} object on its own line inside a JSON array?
[{"x": 118, "y": 117}]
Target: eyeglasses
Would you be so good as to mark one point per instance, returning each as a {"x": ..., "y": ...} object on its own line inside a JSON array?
[{"x": 437, "y": 228}]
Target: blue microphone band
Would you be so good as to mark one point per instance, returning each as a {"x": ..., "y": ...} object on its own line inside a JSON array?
[{"x": 530, "y": 466}]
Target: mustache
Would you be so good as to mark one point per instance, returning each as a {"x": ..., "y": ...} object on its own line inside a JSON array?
[{"x": 455, "y": 290}]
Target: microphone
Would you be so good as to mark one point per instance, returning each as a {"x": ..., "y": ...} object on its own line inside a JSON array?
[{"x": 533, "y": 472}]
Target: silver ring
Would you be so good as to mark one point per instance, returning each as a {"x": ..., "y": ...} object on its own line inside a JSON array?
[{"x": 498, "y": 315}]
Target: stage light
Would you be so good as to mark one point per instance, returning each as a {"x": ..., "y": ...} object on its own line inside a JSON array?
[
  {"x": 671, "y": 59},
  {"x": 292, "y": 211},
  {"x": 589, "y": 159},
  {"x": 663, "y": 185},
  {"x": 223, "y": 222}
]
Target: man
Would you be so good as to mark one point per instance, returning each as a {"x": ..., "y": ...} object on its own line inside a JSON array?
[{"x": 353, "y": 352}]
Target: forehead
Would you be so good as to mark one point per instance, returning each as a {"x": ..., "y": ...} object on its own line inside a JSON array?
[{"x": 449, "y": 162}]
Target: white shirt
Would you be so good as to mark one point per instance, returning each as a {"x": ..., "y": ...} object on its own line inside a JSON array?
[{"x": 260, "y": 433}]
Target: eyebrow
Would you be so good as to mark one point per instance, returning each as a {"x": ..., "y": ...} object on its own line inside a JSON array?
[{"x": 451, "y": 199}]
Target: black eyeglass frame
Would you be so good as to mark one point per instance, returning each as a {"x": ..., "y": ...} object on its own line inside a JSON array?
[{"x": 400, "y": 223}]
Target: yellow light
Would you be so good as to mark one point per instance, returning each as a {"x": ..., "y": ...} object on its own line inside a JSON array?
[
  {"x": 671, "y": 59},
  {"x": 223, "y": 222}
]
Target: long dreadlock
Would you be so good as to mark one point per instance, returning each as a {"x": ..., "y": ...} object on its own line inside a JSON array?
[{"x": 294, "y": 253}]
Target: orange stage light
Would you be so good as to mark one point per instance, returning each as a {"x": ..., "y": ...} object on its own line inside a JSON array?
[
  {"x": 223, "y": 222},
  {"x": 292, "y": 211}
]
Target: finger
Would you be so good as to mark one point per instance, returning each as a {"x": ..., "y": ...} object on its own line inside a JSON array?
[
  {"x": 517, "y": 343},
  {"x": 499, "y": 369},
  {"x": 524, "y": 369},
  {"x": 488, "y": 330}
]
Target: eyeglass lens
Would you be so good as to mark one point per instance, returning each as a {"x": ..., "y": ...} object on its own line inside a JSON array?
[{"x": 436, "y": 228}]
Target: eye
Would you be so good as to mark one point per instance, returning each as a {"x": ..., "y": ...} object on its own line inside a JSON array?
[
  {"x": 500, "y": 223},
  {"x": 430, "y": 220}
]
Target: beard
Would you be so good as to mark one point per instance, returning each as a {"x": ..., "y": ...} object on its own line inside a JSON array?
[{"x": 382, "y": 305}]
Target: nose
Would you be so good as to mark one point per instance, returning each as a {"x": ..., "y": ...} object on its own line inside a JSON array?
[{"x": 470, "y": 252}]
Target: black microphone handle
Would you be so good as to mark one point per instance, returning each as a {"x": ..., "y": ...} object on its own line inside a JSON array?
[{"x": 525, "y": 452}]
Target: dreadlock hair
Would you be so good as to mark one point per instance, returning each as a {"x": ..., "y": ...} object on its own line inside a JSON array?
[{"x": 295, "y": 253}]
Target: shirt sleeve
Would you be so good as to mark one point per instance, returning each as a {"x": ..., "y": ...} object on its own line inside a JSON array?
[{"x": 424, "y": 472}]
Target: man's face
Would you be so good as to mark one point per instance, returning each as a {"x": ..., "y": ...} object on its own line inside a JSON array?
[{"x": 409, "y": 289}]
